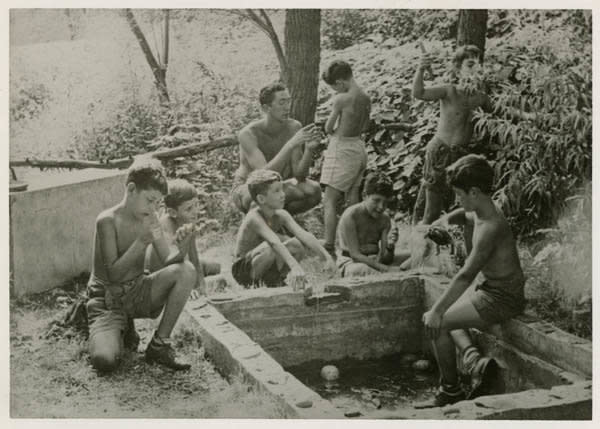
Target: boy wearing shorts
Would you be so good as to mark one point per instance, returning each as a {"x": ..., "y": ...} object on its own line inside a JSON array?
[
  {"x": 345, "y": 158},
  {"x": 265, "y": 252},
  {"x": 119, "y": 289},
  {"x": 496, "y": 298},
  {"x": 365, "y": 233}
]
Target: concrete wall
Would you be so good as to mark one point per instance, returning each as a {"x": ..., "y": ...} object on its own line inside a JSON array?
[
  {"x": 376, "y": 318},
  {"x": 51, "y": 230}
]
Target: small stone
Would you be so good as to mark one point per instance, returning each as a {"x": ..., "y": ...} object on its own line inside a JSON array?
[
  {"x": 330, "y": 372},
  {"x": 304, "y": 404},
  {"x": 353, "y": 413},
  {"x": 408, "y": 359},
  {"x": 421, "y": 365}
]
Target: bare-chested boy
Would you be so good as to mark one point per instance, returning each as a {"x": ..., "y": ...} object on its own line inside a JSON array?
[
  {"x": 345, "y": 159},
  {"x": 181, "y": 204},
  {"x": 454, "y": 131},
  {"x": 277, "y": 142},
  {"x": 365, "y": 232},
  {"x": 264, "y": 251},
  {"x": 496, "y": 298},
  {"x": 119, "y": 289}
]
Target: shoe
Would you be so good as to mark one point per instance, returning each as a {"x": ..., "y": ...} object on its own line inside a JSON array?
[
  {"x": 484, "y": 377},
  {"x": 131, "y": 339},
  {"x": 444, "y": 396},
  {"x": 161, "y": 352}
]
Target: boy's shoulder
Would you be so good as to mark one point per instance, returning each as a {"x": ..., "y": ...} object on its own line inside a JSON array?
[{"x": 108, "y": 215}]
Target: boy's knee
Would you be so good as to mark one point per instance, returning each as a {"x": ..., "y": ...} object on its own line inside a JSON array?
[
  {"x": 296, "y": 248},
  {"x": 314, "y": 194},
  {"x": 105, "y": 362},
  {"x": 187, "y": 271}
]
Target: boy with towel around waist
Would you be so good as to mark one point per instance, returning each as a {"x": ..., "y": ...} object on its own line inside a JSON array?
[
  {"x": 119, "y": 289},
  {"x": 345, "y": 159}
]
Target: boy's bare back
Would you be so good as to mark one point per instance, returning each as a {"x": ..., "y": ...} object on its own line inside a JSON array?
[{"x": 355, "y": 108}]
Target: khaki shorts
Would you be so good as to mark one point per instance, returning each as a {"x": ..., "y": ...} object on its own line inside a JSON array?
[
  {"x": 110, "y": 312},
  {"x": 438, "y": 156},
  {"x": 344, "y": 163}
]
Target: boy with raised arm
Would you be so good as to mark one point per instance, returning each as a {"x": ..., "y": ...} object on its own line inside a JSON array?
[
  {"x": 496, "y": 298},
  {"x": 119, "y": 289},
  {"x": 345, "y": 158},
  {"x": 454, "y": 131},
  {"x": 365, "y": 232},
  {"x": 264, "y": 251}
]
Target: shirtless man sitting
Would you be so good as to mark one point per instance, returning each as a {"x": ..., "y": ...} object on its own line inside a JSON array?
[{"x": 277, "y": 142}]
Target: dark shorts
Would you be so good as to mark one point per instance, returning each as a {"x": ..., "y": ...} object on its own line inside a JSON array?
[
  {"x": 438, "y": 156},
  {"x": 499, "y": 303},
  {"x": 242, "y": 273}
]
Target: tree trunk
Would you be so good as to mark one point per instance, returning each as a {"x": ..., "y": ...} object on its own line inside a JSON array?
[
  {"x": 158, "y": 70},
  {"x": 303, "y": 53},
  {"x": 472, "y": 26}
]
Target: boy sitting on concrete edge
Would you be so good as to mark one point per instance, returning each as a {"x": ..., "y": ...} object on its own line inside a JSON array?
[
  {"x": 119, "y": 289},
  {"x": 181, "y": 205},
  {"x": 264, "y": 251},
  {"x": 365, "y": 232},
  {"x": 498, "y": 297}
]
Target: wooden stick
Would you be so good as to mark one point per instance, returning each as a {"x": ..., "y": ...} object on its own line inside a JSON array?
[{"x": 162, "y": 154}]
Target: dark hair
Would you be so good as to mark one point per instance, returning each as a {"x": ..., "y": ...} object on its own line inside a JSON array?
[
  {"x": 259, "y": 181},
  {"x": 471, "y": 171},
  {"x": 267, "y": 94},
  {"x": 180, "y": 191},
  {"x": 464, "y": 52},
  {"x": 148, "y": 174},
  {"x": 378, "y": 183},
  {"x": 337, "y": 70}
]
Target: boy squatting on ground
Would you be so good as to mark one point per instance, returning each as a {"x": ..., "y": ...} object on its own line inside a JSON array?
[
  {"x": 454, "y": 130},
  {"x": 492, "y": 253},
  {"x": 365, "y": 234},
  {"x": 264, "y": 252},
  {"x": 279, "y": 143},
  {"x": 181, "y": 205},
  {"x": 345, "y": 158},
  {"x": 119, "y": 289}
]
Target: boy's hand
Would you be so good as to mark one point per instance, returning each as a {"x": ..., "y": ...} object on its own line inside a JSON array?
[
  {"x": 433, "y": 322},
  {"x": 184, "y": 236},
  {"x": 393, "y": 236},
  {"x": 297, "y": 278},
  {"x": 330, "y": 267},
  {"x": 150, "y": 228}
]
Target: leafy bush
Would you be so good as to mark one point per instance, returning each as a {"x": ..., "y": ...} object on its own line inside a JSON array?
[
  {"x": 343, "y": 27},
  {"x": 28, "y": 101},
  {"x": 539, "y": 162}
]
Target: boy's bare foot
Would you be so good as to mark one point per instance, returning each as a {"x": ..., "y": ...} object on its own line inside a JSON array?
[{"x": 161, "y": 352}]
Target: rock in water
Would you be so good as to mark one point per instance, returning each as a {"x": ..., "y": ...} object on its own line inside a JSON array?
[
  {"x": 421, "y": 365},
  {"x": 330, "y": 372},
  {"x": 408, "y": 359}
]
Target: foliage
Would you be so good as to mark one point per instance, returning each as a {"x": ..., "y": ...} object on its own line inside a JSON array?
[
  {"x": 541, "y": 69},
  {"x": 345, "y": 27},
  {"x": 28, "y": 100}
]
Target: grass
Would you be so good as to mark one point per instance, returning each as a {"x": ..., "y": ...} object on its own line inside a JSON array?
[{"x": 52, "y": 378}]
